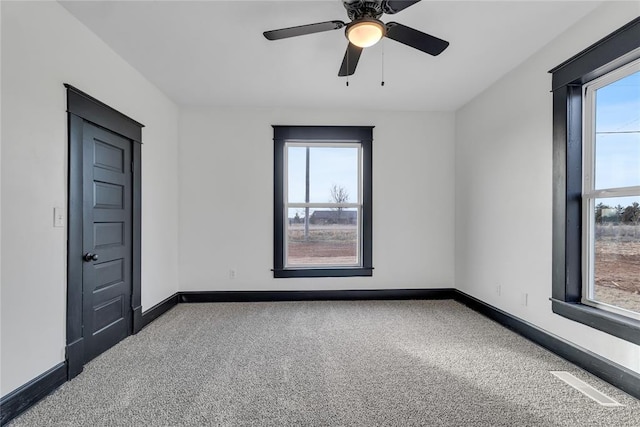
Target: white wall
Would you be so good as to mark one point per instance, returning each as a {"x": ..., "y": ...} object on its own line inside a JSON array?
[
  {"x": 226, "y": 198},
  {"x": 504, "y": 189},
  {"x": 43, "y": 46}
]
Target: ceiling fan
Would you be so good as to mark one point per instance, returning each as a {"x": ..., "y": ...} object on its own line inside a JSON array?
[{"x": 366, "y": 29}]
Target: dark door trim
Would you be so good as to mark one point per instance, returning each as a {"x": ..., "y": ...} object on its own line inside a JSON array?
[{"x": 80, "y": 108}]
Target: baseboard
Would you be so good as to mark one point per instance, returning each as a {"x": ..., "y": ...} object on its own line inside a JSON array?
[
  {"x": 21, "y": 399},
  {"x": 137, "y": 319},
  {"x": 74, "y": 354},
  {"x": 328, "y": 295},
  {"x": 159, "y": 309},
  {"x": 617, "y": 375}
]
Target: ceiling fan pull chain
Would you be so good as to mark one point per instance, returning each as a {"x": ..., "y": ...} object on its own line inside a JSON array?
[
  {"x": 347, "y": 67},
  {"x": 382, "y": 45}
]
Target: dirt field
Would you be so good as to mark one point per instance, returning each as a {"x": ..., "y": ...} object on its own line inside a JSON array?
[
  {"x": 327, "y": 244},
  {"x": 617, "y": 266}
]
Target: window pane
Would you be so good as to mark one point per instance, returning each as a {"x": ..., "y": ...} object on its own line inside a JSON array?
[
  {"x": 329, "y": 239},
  {"x": 333, "y": 168},
  {"x": 333, "y": 174},
  {"x": 296, "y": 170},
  {"x": 617, "y": 139},
  {"x": 617, "y": 252}
]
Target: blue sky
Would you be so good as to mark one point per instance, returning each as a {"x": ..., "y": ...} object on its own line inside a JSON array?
[
  {"x": 327, "y": 166},
  {"x": 617, "y": 153}
]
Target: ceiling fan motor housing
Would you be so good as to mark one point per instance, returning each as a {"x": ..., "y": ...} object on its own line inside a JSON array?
[{"x": 358, "y": 9}]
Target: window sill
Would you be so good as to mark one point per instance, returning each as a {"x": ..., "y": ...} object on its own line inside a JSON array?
[
  {"x": 324, "y": 272},
  {"x": 622, "y": 327}
]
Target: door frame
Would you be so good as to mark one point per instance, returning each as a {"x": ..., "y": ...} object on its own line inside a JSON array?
[{"x": 81, "y": 108}]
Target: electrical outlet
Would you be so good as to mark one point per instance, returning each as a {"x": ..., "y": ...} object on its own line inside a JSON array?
[
  {"x": 498, "y": 290},
  {"x": 232, "y": 274},
  {"x": 58, "y": 217},
  {"x": 525, "y": 299}
]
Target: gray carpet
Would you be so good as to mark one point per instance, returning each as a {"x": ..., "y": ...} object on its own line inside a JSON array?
[{"x": 345, "y": 363}]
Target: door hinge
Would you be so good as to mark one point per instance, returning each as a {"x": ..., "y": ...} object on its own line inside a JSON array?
[{"x": 131, "y": 166}]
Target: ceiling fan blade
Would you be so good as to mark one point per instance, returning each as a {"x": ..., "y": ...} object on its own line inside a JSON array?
[
  {"x": 416, "y": 39},
  {"x": 395, "y": 6},
  {"x": 350, "y": 60},
  {"x": 303, "y": 30}
]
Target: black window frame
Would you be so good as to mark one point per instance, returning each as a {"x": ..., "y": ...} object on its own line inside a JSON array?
[
  {"x": 614, "y": 51},
  {"x": 333, "y": 134}
]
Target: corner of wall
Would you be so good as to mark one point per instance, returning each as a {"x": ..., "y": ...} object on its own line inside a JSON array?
[{"x": 503, "y": 190}]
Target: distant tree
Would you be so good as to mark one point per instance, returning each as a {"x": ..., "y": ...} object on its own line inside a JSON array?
[
  {"x": 339, "y": 194},
  {"x": 631, "y": 214},
  {"x": 619, "y": 211}
]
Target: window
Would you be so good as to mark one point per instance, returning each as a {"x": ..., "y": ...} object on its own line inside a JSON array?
[
  {"x": 322, "y": 201},
  {"x": 596, "y": 185},
  {"x": 611, "y": 191}
]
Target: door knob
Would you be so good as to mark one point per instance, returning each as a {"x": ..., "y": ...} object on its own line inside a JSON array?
[{"x": 90, "y": 257}]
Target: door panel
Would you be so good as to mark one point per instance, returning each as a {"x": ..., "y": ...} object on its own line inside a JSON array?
[
  {"x": 107, "y": 196},
  {"x": 107, "y": 233}
]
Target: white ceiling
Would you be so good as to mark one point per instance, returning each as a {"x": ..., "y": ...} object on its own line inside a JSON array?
[{"x": 212, "y": 53}]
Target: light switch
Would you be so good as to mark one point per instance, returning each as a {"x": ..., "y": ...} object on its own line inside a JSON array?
[{"x": 58, "y": 217}]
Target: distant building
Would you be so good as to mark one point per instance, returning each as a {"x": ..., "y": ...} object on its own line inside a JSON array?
[{"x": 334, "y": 217}]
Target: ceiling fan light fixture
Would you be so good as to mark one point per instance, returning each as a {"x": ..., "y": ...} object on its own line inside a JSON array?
[{"x": 365, "y": 32}]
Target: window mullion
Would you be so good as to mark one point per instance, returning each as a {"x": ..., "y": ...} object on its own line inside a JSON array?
[
  {"x": 588, "y": 184},
  {"x": 613, "y": 192},
  {"x": 323, "y": 205}
]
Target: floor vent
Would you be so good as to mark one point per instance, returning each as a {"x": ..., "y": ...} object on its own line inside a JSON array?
[{"x": 585, "y": 388}]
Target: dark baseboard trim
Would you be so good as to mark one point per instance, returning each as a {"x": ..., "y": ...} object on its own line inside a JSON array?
[
  {"x": 136, "y": 315},
  {"x": 22, "y": 398},
  {"x": 74, "y": 354},
  {"x": 617, "y": 375},
  {"x": 159, "y": 309},
  {"x": 266, "y": 296}
]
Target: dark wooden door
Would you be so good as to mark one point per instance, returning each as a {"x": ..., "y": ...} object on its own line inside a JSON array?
[{"x": 107, "y": 239}]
